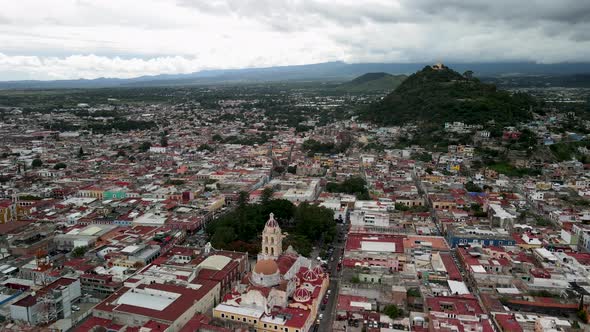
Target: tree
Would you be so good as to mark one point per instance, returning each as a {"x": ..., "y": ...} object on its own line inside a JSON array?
[
  {"x": 392, "y": 311},
  {"x": 223, "y": 237},
  {"x": 472, "y": 187},
  {"x": 79, "y": 252},
  {"x": 468, "y": 74},
  {"x": 37, "y": 163},
  {"x": 243, "y": 198},
  {"x": 60, "y": 166},
  {"x": 583, "y": 315},
  {"x": 314, "y": 221},
  {"x": 352, "y": 185},
  {"x": 80, "y": 152},
  {"x": 145, "y": 146},
  {"x": 413, "y": 292},
  {"x": 425, "y": 157},
  {"x": 300, "y": 243},
  {"x": 164, "y": 141},
  {"x": 217, "y": 138},
  {"x": 266, "y": 195},
  {"x": 401, "y": 207},
  {"x": 204, "y": 147}
]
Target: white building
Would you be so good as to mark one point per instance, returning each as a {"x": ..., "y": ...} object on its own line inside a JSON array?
[
  {"x": 369, "y": 218},
  {"x": 49, "y": 304},
  {"x": 158, "y": 149}
]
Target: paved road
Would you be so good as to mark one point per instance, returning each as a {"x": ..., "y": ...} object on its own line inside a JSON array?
[{"x": 329, "y": 313}]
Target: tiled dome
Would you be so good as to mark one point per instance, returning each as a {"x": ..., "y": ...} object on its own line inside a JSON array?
[
  {"x": 310, "y": 275},
  {"x": 271, "y": 221},
  {"x": 318, "y": 270},
  {"x": 266, "y": 267},
  {"x": 302, "y": 295}
]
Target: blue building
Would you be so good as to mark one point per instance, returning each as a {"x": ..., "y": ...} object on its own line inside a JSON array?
[{"x": 481, "y": 235}]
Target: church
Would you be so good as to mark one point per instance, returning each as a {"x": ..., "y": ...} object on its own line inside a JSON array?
[{"x": 282, "y": 292}]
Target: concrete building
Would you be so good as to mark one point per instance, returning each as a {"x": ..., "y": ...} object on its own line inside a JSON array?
[
  {"x": 172, "y": 305},
  {"x": 49, "y": 304}
]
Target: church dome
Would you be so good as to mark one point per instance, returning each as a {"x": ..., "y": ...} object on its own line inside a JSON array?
[
  {"x": 310, "y": 275},
  {"x": 302, "y": 295},
  {"x": 266, "y": 267},
  {"x": 318, "y": 270},
  {"x": 271, "y": 221}
]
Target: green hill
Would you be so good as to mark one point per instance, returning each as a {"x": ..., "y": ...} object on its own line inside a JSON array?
[
  {"x": 372, "y": 82},
  {"x": 434, "y": 96}
]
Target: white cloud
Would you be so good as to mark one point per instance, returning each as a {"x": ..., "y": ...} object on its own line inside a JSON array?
[{"x": 126, "y": 38}]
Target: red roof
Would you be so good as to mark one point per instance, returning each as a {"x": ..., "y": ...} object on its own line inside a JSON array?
[
  {"x": 355, "y": 240},
  {"x": 454, "y": 324},
  {"x": 345, "y": 300},
  {"x": 540, "y": 273},
  {"x": 545, "y": 303},
  {"x": 169, "y": 314},
  {"x": 199, "y": 322},
  {"x": 94, "y": 322},
  {"x": 27, "y": 301},
  {"x": 508, "y": 323},
  {"x": 461, "y": 305},
  {"x": 298, "y": 316},
  {"x": 582, "y": 258},
  {"x": 451, "y": 267},
  {"x": 285, "y": 262},
  {"x": 155, "y": 326}
]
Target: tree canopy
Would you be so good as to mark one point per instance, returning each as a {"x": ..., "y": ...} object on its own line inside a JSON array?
[
  {"x": 241, "y": 228},
  {"x": 353, "y": 185},
  {"x": 37, "y": 162},
  {"x": 435, "y": 96}
]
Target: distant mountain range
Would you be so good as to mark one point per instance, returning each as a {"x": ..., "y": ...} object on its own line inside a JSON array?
[{"x": 329, "y": 71}]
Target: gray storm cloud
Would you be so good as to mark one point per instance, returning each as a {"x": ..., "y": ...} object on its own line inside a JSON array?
[{"x": 65, "y": 39}]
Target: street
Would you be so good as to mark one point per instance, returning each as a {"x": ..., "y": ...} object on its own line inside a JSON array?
[{"x": 329, "y": 312}]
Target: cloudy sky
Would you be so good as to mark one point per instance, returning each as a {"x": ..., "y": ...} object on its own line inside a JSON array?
[{"x": 63, "y": 39}]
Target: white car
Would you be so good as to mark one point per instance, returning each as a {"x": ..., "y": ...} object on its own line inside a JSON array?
[{"x": 321, "y": 316}]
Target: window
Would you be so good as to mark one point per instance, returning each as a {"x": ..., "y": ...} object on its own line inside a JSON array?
[
  {"x": 222, "y": 315},
  {"x": 232, "y": 317},
  {"x": 244, "y": 319}
]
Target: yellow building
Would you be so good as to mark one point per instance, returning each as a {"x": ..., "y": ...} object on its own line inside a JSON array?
[
  {"x": 7, "y": 211},
  {"x": 92, "y": 192},
  {"x": 216, "y": 203}
]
